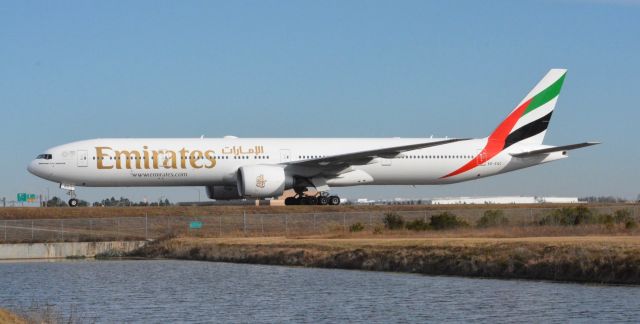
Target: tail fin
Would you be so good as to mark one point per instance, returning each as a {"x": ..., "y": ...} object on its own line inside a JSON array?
[
  {"x": 525, "y": 124},
  {"x": 528, "y": 122}
]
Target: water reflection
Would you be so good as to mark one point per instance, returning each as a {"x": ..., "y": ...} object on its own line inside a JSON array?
[{"x": 161, "y": 291}]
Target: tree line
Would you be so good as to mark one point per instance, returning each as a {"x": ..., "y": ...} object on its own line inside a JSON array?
[{"x": 107, "y": 202}]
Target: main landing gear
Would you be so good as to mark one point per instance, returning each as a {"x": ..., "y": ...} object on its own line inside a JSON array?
[{"x": 321, "y": 199}]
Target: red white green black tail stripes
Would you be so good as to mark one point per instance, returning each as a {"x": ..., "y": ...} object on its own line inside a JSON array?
[{"x": 527, "y": 123}]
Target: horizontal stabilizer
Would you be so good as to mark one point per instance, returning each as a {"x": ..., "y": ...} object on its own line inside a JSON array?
[{"x": 553, "y": 149}]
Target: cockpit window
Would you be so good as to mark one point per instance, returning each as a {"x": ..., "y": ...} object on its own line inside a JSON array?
[{"x": 44, "y": 156}]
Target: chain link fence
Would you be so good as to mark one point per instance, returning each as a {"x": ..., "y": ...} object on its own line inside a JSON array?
[{"x": 241, "y": 225}]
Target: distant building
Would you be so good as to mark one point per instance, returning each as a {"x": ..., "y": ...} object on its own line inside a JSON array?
[
  {"x": 365, "y": 201},
  {"x": 504, "y": 200}
]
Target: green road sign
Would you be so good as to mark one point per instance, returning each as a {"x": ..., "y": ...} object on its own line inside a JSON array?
[
  {"x": 25, "y": 197},
  {"x": 195, "y": 225}
]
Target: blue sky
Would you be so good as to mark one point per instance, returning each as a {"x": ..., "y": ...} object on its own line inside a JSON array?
[{"x": 78, "y": 70}]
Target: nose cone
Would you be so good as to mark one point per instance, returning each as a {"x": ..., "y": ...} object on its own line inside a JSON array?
[{"x": 33, "y": 168}]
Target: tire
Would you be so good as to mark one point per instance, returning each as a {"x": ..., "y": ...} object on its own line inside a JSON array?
[
  {"x": 334, "y": 200},
  {"x": 312, "y": 201},
  {"x": 323, "y": 201},
  {"x": 73, "y": 202},
  {"x": 289, "y": 201}
]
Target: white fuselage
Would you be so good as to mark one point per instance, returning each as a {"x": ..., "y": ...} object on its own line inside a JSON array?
[{"x": 207, "y": 162}]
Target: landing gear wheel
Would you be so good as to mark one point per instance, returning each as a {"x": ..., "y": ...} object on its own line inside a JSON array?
[
  {"x": 73, "y": 202},
  {"x": 323, "y": 200},
  {"x": 334, "y": 200},
  {"x": 304, "y": 200},
  {"x": 290, "y": 201}
]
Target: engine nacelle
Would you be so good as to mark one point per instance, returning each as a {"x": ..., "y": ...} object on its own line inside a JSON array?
[
  {"x": 262, "y": 181},
  {"x": 223, "y": 192}
]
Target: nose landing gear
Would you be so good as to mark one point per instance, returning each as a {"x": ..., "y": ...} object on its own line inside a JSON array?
[
  {"x": 73, "y": 202},
  {"x": 71, "y": 191}
]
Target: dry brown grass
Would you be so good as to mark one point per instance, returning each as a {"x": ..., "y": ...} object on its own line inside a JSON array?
[
  {"x": 7, "y": 317},
  {"x": 109, "y": 212}
]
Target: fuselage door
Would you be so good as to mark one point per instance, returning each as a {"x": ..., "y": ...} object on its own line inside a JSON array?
[
  {"x": 82, "y": 158},
  {"x": 285, "y": 155}
]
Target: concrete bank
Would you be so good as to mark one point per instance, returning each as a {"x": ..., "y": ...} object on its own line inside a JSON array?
[
  {"x": 614, "y": 259},
  {"x": 66, "y": 249}
]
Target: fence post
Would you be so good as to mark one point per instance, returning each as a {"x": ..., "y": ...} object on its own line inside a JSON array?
[
  {"x": 220, "y": 225},
  {"x": 262, "y": 223},
  {"x": 344, "y": 222},
  {"x": 244, "y": 222},
  {"x": 62, "y": 229},
  {"x": 146, "y": 227},
  {"x": 5, "y": 230},
  {"x": 286, "y": 225},
  {"x": 530, "y": 215},
  {"x": 32, "y": 230}
]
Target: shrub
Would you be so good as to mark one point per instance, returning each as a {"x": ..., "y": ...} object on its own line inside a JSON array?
[
  {"x": 568, "y": 216},
  {"x": 377, "y": 230},
  {"x": 393, "y": 221},
  {"x": 357, "y": 227},
  {"x": 493, "y": 218},
  {"x": 622, "y": 216},
  {"x": 417, "y": 225},
  {"x": 630, "y": 224},
  {"x": 606, "y": 219},
  {"x": 446, "y": 220}
]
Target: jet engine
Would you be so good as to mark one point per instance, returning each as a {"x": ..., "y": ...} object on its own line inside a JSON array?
[
  {"x": 223, "y": 192},
  {"x": 262, "y": 181}
]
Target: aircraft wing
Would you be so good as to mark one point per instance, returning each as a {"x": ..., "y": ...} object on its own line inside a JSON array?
[
  {"x": 553, "y": 149},
  {"x": 341, "y": 161}
]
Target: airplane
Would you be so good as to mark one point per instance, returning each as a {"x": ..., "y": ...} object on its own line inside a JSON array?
[{"x": 260, "y": 168}]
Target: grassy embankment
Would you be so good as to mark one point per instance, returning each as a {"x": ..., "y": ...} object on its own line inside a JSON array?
[{"x": 601, "y": 259}]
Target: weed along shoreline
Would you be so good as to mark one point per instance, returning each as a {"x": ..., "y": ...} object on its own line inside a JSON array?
[
  {"x": 8, "y": 317},
  {"x": 593, "y": 259}
]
